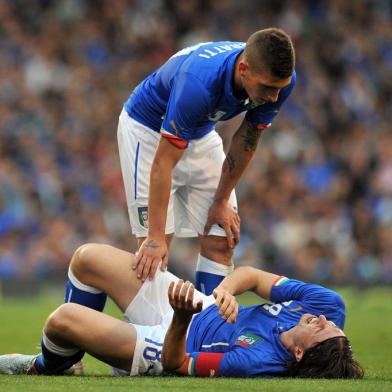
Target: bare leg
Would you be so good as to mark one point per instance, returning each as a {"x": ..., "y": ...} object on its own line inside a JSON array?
[
  {"x": 108, "y": 269},
  {"x": 104, "y": 337},
  {"x": 215, "y": 248}
]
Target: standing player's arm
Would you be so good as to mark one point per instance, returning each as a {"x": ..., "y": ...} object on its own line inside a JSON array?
[
  {"x": 166, "y": 158},
  {"x": 242, "y": 149},
  {"x": 154, "y": 248}
]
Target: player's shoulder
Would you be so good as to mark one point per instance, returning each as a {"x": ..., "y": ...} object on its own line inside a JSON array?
[
  {"x": 216, "y": 48},
  {"x": 209, "y": 58}
]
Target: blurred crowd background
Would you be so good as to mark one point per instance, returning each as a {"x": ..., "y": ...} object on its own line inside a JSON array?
[{"x": 316, "y": 202}]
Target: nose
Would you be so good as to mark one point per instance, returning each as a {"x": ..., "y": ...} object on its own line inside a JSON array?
[{"x": 323, "y": 320}]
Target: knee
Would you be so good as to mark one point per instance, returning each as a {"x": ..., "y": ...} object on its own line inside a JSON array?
[
  {"x": 216, "y": 248},
  {"x": 82, "y": 259},
  {"x": 59, "y": 323}
]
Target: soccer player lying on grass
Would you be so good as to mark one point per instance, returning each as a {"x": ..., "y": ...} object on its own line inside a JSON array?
[{"x": 173, "y": 327}]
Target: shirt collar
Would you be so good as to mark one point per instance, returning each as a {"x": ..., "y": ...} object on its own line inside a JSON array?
[{"x": 282, "y": 352}]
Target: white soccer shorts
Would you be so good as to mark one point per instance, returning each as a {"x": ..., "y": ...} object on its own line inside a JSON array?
[
  {"x": 151, "y": 314},
  {"x": 194, "y": 181}
]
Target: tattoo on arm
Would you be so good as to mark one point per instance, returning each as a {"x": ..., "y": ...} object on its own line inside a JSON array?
[
  {"x": 151, "y": 244},
  {"x": 230, "y": 162},
  {"x": 250, "y": 138}
]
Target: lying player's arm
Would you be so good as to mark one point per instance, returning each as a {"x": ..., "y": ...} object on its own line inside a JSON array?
[
  {"x": 175, "y": 359},
  {"x": 247, "y": 279},
  {"x": 174, "y": 356},
  {"x": 242, "y": 149}
]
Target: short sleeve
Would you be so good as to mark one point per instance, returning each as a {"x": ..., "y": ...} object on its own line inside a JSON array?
[
  {"x": 188, "y": 105},
  {"x": 316, "y": 298},
  {"x": 239, "y": 362}
]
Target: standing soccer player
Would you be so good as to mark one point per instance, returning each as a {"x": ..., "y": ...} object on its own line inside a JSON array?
[{"x": 177, "y": 178}]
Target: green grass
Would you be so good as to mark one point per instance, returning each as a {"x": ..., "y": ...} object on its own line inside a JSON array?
[{"x": 369, "y": 327}]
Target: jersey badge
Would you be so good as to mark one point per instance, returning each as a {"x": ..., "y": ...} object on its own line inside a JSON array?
[
  {"x": 248, "y": 340},
  {"x": 143, "y": 216}
]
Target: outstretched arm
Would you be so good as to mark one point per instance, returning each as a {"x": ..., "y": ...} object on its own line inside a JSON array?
[
  {"x": 240, "y": 280},
  {"x": 154, "y": 248},
  {"x": 248, "y": 279},
  {"x": 242, "y": 150}
]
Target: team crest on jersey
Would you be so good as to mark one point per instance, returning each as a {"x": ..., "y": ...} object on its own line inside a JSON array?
[
  {"x": 216, "y": 115},
  {"x": 248, "y": 340},
  {"x": 143, "y": 216}
]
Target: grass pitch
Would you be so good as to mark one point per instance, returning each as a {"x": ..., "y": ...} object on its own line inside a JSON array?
[{"x": 369, "y": 327}]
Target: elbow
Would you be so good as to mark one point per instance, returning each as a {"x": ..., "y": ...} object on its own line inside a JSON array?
[
  {"x": 170, "y": 364},
  {"x": 166, "y": 363}
]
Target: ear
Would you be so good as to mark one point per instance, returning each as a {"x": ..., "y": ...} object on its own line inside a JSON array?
[
  {"x": 298, "y": 353},
  {"x": 243, "y": 67}
]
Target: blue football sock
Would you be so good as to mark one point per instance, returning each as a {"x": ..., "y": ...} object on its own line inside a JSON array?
[
  {"x": 54, "y": 359},
  {"x": 79, "y": 293},
  {"x": 209, "y": 274}
]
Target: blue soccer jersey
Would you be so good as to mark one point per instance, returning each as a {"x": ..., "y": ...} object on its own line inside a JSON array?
[
  {"x": 193, "y": 90},
  {"x": 252, "y": 347}
]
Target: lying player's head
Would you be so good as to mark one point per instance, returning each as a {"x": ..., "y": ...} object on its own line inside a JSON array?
[
  {"x": 322, "y": 350},
  {"x": 267, "y": 64}
]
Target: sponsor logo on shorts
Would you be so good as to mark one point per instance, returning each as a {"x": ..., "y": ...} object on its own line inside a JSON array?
[
  {"x": 248, "y": 340},
  {"x": 143, "y": 216}
]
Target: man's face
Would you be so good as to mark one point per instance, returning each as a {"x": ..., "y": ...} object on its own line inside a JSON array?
[
  {"x": 312, "y": 330},
  {"x": 260, "y": 87}
]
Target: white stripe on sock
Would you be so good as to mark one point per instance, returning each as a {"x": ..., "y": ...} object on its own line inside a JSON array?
[
  {"x": 69, "y": 295},
  {"x": 81, "y": 286},
  {"x": 212, "y": 267},
  {"x": 53, "y": 348}
]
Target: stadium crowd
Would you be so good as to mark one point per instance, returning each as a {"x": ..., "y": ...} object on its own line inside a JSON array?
[{"x": 317, "y": 200}]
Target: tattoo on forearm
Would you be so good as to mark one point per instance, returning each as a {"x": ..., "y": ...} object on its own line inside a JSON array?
[
  {"x": 251, "y": 138},
  {"x": 230, "y": 162},
  {"x": 151, "y": 244}
]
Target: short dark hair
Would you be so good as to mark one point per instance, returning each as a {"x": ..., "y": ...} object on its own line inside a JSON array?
[
  {"x": 271, "y": 50},
  {"x": 332, "y": 358}
]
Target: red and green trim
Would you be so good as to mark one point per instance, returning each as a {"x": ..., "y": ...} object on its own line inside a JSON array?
[
  {"x": 280, "y": 281},
  {"x": 203, "y": 364}
]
